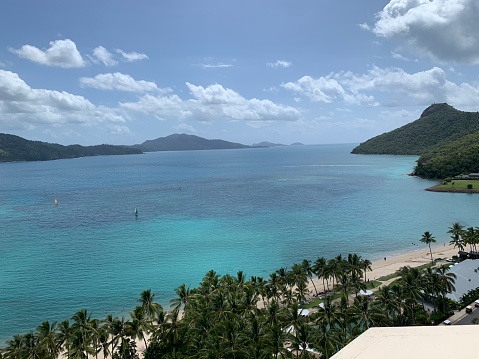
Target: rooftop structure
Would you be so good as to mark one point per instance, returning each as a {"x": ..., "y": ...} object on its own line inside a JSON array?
[
  {"x": 414, "y": 342},
  {"x": 467, "y": 278}
]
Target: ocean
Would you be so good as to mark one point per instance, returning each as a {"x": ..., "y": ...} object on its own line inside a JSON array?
[{"x": 254, "y": 210}]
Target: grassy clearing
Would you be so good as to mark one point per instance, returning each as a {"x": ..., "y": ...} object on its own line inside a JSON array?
[{"x": 459, "y": 184}]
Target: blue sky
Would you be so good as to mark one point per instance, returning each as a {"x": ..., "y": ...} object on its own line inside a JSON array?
[{"x": 310, "y": 71}]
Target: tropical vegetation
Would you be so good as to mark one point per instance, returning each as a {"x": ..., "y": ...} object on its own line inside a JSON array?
[
  {"x": 445, "y": 138},
  {"x": 230, "y": 316}
]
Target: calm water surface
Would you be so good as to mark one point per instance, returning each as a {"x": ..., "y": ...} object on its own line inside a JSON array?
[{"x": 253, "y": 210}]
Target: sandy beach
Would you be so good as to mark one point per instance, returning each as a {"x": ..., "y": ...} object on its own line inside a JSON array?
[
  {"x": 382, "y": 267},
  {"x": 390, "y": 264}
]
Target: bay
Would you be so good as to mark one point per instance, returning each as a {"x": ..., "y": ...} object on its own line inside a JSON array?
[{"x": 254, "y": 210}]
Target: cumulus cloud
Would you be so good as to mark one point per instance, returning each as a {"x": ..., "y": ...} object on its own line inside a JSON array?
[
  {"x": 445, "y": 29},
  {"x": 279, "y": 63},
  {"x": 118, "y": 81},
  {"x": 61, "y": 53},
  {"x": 132, "y": 56},
  {"x": 211, "y": 103},
  {"x": 390, "y": 86},
  {"x": 24, "y": 107},
  {"x": 100, "y": 54},
  {"x": 327, "y": 89}
]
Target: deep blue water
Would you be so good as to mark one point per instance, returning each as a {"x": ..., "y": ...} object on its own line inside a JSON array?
[{"x": 254, "y": 210}]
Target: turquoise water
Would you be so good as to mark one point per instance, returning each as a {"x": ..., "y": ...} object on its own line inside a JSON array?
[{"x": 253, "y": 210}]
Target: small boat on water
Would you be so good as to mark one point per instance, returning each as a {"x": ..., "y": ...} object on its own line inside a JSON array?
[{"x": 135, "y": 212}]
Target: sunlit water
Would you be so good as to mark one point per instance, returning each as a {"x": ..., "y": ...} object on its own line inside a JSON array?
[{"x": 254, "y": 210}]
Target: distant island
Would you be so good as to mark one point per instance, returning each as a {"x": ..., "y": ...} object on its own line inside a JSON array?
[
  {"x": 16, "y": 149},
  {"x": 184, "y": 142},
  {"x": 446, "y": 139},
  {"x": 270, "y": 144}
]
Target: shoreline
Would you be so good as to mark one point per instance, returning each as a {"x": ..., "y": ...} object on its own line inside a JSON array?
[
  {"x": 451, "y": 190},
  {"x": 390, "y": 264}
]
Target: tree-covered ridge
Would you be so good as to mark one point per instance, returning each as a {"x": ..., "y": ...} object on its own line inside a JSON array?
[
  {"x": 15, "y": 148},
  {"x": 439, "y": 125},
  {"x": 457, "y": 157}
]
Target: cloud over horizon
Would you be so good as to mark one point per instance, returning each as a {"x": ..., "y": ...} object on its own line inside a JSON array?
[
  {"x": 23, "y": 107},
  {"x": 388, "y": 87},
  {"x": 212, "y": 103}
]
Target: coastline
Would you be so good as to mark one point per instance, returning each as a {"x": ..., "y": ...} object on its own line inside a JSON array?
[
  {"x": 388, "y": 265},
  {"x": 436, "y": 188}
]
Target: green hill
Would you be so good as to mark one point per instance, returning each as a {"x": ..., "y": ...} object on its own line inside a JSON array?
[
  {"x": 454, "y": 158},
  {"x": 438, "y": 125},
  {"x": 184, "y": 142},
  {"x": 15, "y": 148},
  {"x": 446, "y": 139}
]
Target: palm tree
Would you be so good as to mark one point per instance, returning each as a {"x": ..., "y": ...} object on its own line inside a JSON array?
[
  {"x": 428, "y": 239},
  {"x": 32, "y": 348},
  {"x": 319, "y": 269},
  {"x": 182, "y": 299},
  {"x": 140, "y": 326},
  {"x": 410, "y": 284},
  {"x": 389, "y": 301},
  {"x": 457, "y": 231},
  {"x": 309, "y": 270},
  {"x": 365, "y": 314},
  {"x": 254, "y": 339},
  {"x": 148, "y": 305},
  {"x": 446, "y": 280},
  {"x": 64, "y": 336},
  {"x": 470, "y": 237},
  {"x": 304, "y": 335},
  {"x": 48, "y": 339},
  {"x": 366, "y": 265},
  {"x": 82, "y": 335},
  {"x": 15, "y": 348}
]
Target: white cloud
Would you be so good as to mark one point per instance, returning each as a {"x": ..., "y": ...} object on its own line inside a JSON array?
[
  {"x": 22, "y": 107},
  {"x": 119, "y": 130},
  {"x": 217, "y": 65},
  {"x": 327, "y": 89},
  {"x": 279, "y": 63},
  {"x": 184, "y": 127},
  {"x": 390, "y": 86},
  {"x": 100, "y": 54},
  {"x": 132, "y": 56},
  {"x": 212, "y": 103},
  {"x": 445, "y": 29},
  {"x": 118, "y": 81},
  {"x": 62, "y": 53}
]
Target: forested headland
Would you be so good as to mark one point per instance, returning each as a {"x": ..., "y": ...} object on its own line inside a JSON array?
[
  {"x": 14, "y": 148},
  {"x": 445, "y": 138}
]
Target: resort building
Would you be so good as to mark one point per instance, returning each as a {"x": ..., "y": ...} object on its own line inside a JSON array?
[
  {"x": 467, "y": 278},
  {"x": 414, "y": 342}
]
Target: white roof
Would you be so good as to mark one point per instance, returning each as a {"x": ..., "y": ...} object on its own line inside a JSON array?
[
  {"x": 303, "y": 312},
  {"x": 467, "y": 278},
  {"x": 414, "y": 343}
]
